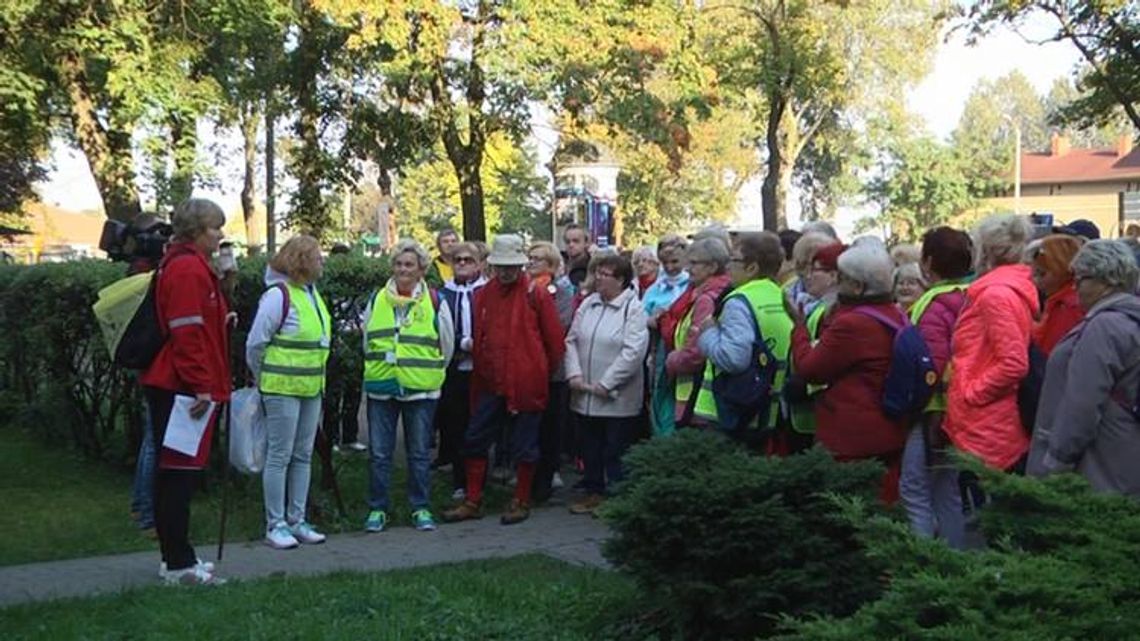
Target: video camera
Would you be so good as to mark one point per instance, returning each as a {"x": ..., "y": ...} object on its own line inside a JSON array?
[{"x": 144, "y": 237}]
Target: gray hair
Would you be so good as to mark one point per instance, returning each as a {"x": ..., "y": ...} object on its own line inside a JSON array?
[
  {"x": 868, "y": 239},
  {"x": 194, "y": 216},
  {"x": 820, "y": 227},
  {"x": 409, "y": 245},
  {"x": 871, "y": 265},
  {"x": 906, "y": 253},
  {"x": 1108, "y": 261},
  {"x": 711, "y": 249},
  {"x": 803, "y": 252},
  {"x": 912, "y": 271},
  {"x": 716, "y": 231},
  {"x": 644, "y": 252},
  {"x": 1001, "y": 239}
]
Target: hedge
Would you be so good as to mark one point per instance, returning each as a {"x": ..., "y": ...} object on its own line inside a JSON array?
[{"x": 55, "y": 374}]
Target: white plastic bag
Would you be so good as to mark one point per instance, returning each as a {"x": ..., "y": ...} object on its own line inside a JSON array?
[{"x": 247, "y": 431}]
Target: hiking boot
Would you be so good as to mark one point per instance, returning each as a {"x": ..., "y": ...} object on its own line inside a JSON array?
[
  {"x": 423, "y": 520},
  {"x": 305, "y": 533},
  {"x": 587, "y": 505},
  {"x": 376, "y": 521},
  {"x": 517, "y": 512},
  {"x": 280, "y": 538},
  {"x": 465, "y": 511}
]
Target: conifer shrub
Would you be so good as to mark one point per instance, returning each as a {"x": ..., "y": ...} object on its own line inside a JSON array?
[
  {"x": 1061, "y": 563},
  {"x": 725, "y": 542}
]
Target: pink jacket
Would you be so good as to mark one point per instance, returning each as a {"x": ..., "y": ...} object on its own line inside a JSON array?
[
  {"x": 687, "y": 358},
  {"x": 990, "y": 356},
  {"x": 937, "y": 326}
]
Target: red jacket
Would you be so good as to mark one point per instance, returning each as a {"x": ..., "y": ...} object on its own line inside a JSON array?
[
  {"x": 990, "y": 357},
  {"x": 195, "y": 357},
  {"x": 518, "y": 341},
  {"x": 852, "y": 358},
  {"x": 1062, "y": 312}
]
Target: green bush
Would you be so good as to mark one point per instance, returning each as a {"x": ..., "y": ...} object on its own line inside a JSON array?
[
  {"x": 1061, "y": 564},
  {"x": 55, "y": 370},
  {"x": 726, "y": 542}
]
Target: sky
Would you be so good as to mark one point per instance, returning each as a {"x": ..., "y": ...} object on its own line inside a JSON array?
[{"x": 938, "y": 100}]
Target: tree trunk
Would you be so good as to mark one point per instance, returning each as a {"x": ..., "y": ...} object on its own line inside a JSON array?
[
  {"x": 773, "y": 193},
  {"x": 249, "y": 121},
  {"x": 387, "y": 229},
  {"x": 184, "y": 143},
  {"x": 471, "y": 198},
  {"x": 270, "y": 181},
  {"x": 108, "y": 151}
]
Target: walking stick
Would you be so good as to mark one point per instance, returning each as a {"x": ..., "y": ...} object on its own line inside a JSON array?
[{"x": 225, "y": 412}]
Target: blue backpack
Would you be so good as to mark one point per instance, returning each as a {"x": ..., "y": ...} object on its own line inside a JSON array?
[{"x": 911, "y": 377}]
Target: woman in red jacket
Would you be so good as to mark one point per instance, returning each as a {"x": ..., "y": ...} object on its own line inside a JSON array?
[
  {"x": 194, "y": 363},
  {"x": 991, "y": 347},
  {"x": 1052, "y": 275},
  {"x": 852, "y": 358}
]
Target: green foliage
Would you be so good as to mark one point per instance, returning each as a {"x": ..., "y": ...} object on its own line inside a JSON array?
[
  {"x": 1101, "y": 132},
  {"x": 1061, "y": 565},
  {"x": 58, "y": 365},
  {"x": 725, "y": 542},
  {"x": 923, "y": 186},
  {"x": 523, "y": 598},
  {"x": 1105, "y": 32}
]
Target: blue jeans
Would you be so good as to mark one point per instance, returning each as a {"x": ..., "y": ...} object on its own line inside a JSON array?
[
  {"x": 605, "y": 440},
  {"x": 142, "y": 493},
  {"x": 931, "y": 494},
  {"x": 490, "y": 414},
  {"x": 291, "y": 427},
  {"x": 382, "y": 420}
]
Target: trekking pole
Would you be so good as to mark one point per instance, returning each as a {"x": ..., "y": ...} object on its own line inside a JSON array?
[
  {"x": 324, "y": 450},
  {"x": 225, "y": 413}
]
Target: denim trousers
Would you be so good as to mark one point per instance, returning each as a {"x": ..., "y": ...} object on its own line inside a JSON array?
[
  {"x": 291, "y": 427},
  {"x": 142, "y": 492},
  {"x": 931, "y": 494},
  {"x": 605, "y": 440},
  {"x": 383, "y": 416},
  {"x": 490, "y": 414}
]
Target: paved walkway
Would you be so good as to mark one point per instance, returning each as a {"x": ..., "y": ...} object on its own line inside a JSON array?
[{"x": 552, "y": 531}]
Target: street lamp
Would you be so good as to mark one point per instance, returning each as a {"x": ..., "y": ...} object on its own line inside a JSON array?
[{"x": 1016, "y": 163}]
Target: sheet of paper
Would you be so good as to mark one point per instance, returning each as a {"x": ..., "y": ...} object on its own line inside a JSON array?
[{"x": 184, "y": 433}]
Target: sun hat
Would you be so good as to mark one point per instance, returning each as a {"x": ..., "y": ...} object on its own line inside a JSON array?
[{"x": 507, "y": 250}]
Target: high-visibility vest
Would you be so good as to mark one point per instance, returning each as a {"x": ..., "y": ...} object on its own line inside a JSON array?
[
  {"x": 406, "y": 358},
  {"x": 294, "y": 364},
  {"x": 683, "y": 389},
  {"x": 766, "y": 299},
  {"x": 938, "y": 399},
  {"x": 803, "y": 414}
]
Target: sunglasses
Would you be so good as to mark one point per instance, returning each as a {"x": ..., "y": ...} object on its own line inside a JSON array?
[{"x": 463, "y": 260}]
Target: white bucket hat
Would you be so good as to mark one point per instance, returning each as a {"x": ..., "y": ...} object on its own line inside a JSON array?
[{"x": 507, "y": 250}]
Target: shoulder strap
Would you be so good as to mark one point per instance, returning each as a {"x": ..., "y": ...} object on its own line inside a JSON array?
[
  {"x": 893, "y": 324},
  {"x": 284, "y": 306}
]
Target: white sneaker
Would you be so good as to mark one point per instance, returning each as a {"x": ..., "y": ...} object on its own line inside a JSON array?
[
  {"x": 193, "y": 575},
  {"x": 280, "y": 537},
  {"x": 513, "y": 482},
  {"x": 205, "y": 565},
  {"x": 459, "y": 494},
  {"x": 305, "y": 533},
  {"x": 556, "y": 482},
  {"x": 357, "y": 446}
]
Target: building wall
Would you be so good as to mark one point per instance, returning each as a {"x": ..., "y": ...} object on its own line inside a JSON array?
[{"x": 1091, "y": 201}]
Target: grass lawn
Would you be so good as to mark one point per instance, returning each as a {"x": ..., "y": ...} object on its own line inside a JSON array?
[
  {"x": 530, "y": 597},
  {"x": 63, "y": 506}
]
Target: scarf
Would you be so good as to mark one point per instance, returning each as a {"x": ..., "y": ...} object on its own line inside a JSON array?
[
  {"x": 664, "y": 291},
  {"x": 461, "y": 315},
  {"x": 402, "y": 304}
]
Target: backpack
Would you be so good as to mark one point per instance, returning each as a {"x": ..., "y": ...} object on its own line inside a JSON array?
[
  {"x": 744, "y": 396},
  {"x": 911, "y": 377},
  {"x": 128, "y": 318}
]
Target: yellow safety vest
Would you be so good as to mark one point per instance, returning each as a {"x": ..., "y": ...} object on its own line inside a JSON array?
[
  {"x": 294, "y": 364},
  {"x": 775, "y": 326},
  {"x": 407, "y": 358},
  {"x": 938, "y": 401},
  {"x": 683, "y": 390},
  {"x": 803, "y": 414}
]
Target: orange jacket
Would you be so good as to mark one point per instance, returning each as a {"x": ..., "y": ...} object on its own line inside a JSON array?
[{"x": 990, "y": 356}]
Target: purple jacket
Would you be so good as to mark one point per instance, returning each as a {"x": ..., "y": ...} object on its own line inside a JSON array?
[{"x": 937, "y": 326}]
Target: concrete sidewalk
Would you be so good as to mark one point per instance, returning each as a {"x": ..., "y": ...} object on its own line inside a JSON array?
[{"x": 552, "y": 531}]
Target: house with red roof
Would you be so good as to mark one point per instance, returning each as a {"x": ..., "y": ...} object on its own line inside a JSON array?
[{"x": 1073, "y": 183}]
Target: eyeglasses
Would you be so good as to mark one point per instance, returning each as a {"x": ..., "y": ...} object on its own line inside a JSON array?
[
  {"x": 536, "y": 259},
  {"x": 461, "y": 260},
  {"x": 605, "y": 275}
]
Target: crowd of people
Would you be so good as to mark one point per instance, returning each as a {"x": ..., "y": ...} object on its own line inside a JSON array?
[{"x": 776, "y": 341}]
